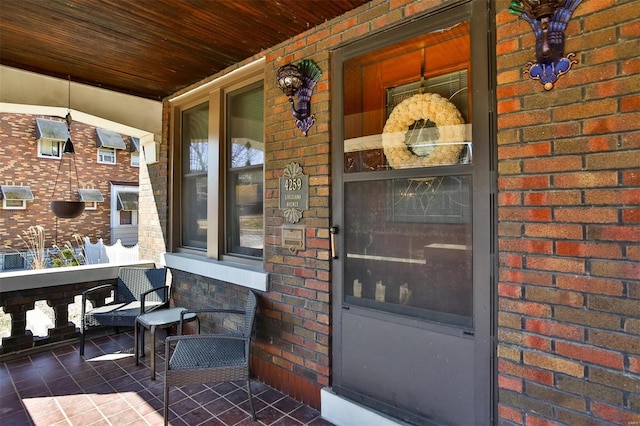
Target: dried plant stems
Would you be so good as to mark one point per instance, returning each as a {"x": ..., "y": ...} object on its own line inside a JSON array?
[{"x": 33, "y": 238}]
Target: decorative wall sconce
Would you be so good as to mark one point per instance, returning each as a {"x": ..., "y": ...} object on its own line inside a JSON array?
[
  {"x": 300, "y": 80},
  {"x": 548, "y": 19}
]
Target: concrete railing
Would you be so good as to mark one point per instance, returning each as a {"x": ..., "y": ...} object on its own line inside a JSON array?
[{"x": 20, "y": 290}]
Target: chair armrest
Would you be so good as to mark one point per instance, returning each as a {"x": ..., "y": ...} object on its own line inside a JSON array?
[
  {"x": 144, "y": 295},
  {"x": 91, "y": 290}
]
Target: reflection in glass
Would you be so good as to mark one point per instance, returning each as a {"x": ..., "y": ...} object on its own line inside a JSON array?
[
  {"x": 409, "y": 247},
  {"x": 245, "y": 130},
  {"x": 195, "y": 143},
  {"x": 425, "y": 81}
]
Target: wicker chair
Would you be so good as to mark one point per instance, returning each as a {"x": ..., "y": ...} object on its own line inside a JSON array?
[
  {"x": 210, "y": 358},
  {"x": 138, "y": 291}
]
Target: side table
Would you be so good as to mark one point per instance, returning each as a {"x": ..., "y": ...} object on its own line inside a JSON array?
[{"x": 163, "y": 318}]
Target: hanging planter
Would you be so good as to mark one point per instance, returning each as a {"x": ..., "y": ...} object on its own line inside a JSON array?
[
  {"x": 67, "y": 209},
  {"x": 68, "y": 206}
]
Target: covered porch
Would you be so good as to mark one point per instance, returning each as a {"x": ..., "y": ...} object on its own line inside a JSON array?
[{"x": 54, "y": 386}]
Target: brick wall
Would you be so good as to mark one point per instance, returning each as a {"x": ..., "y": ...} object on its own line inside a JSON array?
[
  {"x": 20, "y": 165},
  {"x": 568, "y": 298},
  {"x": 153, "y": 198},
  {"x": 569, "y": 178}
]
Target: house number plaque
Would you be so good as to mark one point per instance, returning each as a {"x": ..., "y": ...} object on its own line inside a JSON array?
[{"x": 294, "y": 192}]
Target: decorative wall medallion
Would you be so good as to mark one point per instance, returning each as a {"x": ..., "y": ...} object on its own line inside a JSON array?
[{"x": 294, "y": 192}]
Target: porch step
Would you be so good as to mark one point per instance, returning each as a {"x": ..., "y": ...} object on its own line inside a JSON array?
[{"x": 342, "y": 411}]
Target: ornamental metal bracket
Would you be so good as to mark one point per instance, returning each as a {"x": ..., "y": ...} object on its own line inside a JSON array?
[
  {"x": 299, "y": 80},
  {"x": 548, "y": 19}
]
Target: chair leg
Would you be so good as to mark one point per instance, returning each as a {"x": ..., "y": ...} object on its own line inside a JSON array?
[
  {"x": 81, "y": 342},
  {"x": 166, "y": 404},
  {"x": 253, "y": 412}
]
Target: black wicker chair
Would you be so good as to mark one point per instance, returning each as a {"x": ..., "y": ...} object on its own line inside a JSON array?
[
  {"x": 138, "y": 291},
  {"x": 210, "y": 358}
]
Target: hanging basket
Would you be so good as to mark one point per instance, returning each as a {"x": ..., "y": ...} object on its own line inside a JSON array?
[{"x": 67, "y": 209}]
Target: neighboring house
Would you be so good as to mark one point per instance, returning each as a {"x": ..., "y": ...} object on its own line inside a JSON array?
[{"x": 107, "y": 168}]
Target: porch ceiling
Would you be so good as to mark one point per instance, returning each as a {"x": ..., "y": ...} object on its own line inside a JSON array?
[{"x": 152, "y": 48}]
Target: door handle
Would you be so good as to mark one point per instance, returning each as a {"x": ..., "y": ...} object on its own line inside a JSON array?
[{"x": 333, "y": 231}]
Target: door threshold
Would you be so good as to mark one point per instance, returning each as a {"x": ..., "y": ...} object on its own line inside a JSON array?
[{"x": 342, "y": 411}]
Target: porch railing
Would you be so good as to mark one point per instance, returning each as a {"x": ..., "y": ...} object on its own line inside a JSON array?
[{"x": 20, "y": 290}]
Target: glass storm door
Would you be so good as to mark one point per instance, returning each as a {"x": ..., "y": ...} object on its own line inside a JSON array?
[{"x": 412, "y": 235}]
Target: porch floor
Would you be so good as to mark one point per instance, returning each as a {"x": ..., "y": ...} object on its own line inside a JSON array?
[{"x": 57, "y": 387}]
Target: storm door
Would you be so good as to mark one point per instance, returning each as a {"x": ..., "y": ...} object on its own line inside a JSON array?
[{"x": 413, "y": 220}]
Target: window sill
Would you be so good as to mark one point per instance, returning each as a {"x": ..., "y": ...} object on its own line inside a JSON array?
[{"x": 235, "y": 273}]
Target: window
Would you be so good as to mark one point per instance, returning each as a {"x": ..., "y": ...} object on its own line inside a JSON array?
[
  {"x": 135, "y": 152},
  {"x": 244, "y": 177},
  {"x": 221, "y": 185},
  {"x": 91, "y": 198},
  {"x": 15, "y": 197},
  {"x": 51, "y": 135},
  {"x": 107, "y": 142},
  {"x": 106, "y": 155},
  {"x": 49, "y": 149},
  {"x": 124, "y": 205}
]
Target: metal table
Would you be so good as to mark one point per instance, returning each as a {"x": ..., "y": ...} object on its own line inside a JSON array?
[{"x": 163, "y": 318}]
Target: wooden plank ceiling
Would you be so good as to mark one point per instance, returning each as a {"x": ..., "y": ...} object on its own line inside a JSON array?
[{"x": 149, "y": 48}]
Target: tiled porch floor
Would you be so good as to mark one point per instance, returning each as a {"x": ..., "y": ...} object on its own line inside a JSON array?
[{"x": 57, "y": 387}]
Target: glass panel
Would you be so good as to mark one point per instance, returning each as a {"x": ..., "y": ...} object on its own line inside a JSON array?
[
  {"x": 51, "y": 129},
  {"x": 126, "y": 217},
  {"x": 407, "y": 105},
  {"x": 110, "y": 139},
  {"x": 49, "y": 148},
  {"x": 408, "y": 244},
  {"x": 107, "y": 155},
  {"x": 127, "y": 201},
  {"x": 90, "y": 195},
  {"x": 195, "y": 143},
  {"x": 245, "y": 148}
]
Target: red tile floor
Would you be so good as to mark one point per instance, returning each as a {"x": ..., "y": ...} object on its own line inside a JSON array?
[{"x": 57, "y": 387}]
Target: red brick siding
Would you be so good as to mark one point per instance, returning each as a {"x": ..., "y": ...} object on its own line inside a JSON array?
[
  {"x": 567, "y": 329},
  {"x": 20, "y": 165},
  {"x": 568, "y": 295}
]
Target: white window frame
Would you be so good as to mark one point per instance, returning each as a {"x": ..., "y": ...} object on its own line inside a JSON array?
[
  {"x": 50, "y": 142},
  {"x": 104, "y": 153},
  {"x": 115, "y": 213},
  {"x": 16, "y": 204},
  {"x": 135, "y": 159}
]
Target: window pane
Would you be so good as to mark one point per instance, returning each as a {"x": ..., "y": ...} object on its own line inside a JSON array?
[
  {"x": 246, "y": 219},
  {"x": 409, "y": 247},
  {"x": 107, "y": 155},
  {"x": 246, "y": 127},
  {"x": 195, "y": 137},
  {"x": 49, "y": 148},
  {"x": 407, "y": 105},
  {"x": 245, "y": 157},
  {"x": 126, "y": 217}
]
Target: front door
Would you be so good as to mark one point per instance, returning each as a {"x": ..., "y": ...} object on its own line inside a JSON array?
[{"x": 413, "y": 252}]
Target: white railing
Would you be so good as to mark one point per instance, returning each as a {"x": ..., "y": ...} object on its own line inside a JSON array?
[{"x": 100, "y": 253}]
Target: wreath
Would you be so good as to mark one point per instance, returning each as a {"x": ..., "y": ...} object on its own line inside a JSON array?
[{"x": 426, "y": 106}]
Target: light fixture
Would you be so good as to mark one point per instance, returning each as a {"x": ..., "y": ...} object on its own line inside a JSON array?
[
  {"x": 299, "y": 80},
  {"x": 68, "y": 205},
  {"x": 548, "y": 19}
]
